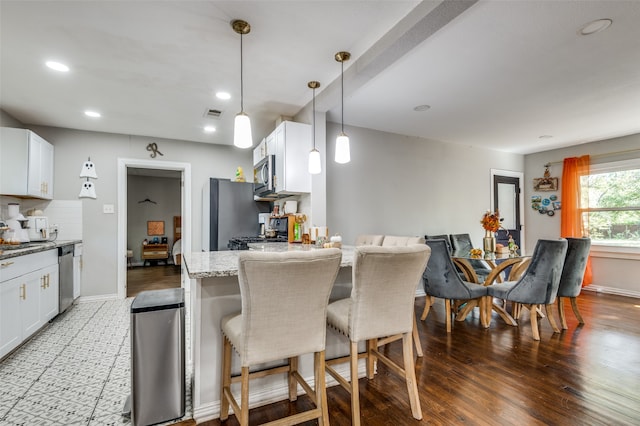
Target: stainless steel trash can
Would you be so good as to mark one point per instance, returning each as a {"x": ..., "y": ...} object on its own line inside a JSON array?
[{"x": 157, "y": 356}]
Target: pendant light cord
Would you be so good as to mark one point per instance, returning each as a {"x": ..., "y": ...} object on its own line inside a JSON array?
[
  {"x": 314, "y": 118},
  {"x": 241, "y": 82},
  {"x": 342, "y": 93}
]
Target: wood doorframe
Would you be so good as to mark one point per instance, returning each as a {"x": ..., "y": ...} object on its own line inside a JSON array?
[
  {"x": 185, "y": 168},
  {"x": 520, "y": 176}
]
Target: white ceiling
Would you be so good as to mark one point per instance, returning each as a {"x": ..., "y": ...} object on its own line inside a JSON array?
[{"x": 497, "y": 74}]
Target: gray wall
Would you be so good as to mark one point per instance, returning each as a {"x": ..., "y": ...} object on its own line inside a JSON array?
[
  {"x": 400, "y": 185},
  {"x": 72, "y": 147},
  {"x": 165, "y": 192}
]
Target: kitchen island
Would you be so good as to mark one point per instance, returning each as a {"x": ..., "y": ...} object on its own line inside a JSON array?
[{"x": 215, "y": 294}]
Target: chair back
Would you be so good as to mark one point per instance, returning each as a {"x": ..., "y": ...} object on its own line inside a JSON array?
[
  {"x": 539, "y": 284},
  {"x": 440, "y": 277},
  {"x": 575, "y": 264},
  {"x": 461, "y": 242},
  {"x": 284, "y": 302},
  {"x": 444, "y": 237},
  {"x": 369, "y": 240},
  {"x": 384, "y": 286},
  {"x": 397, "y": 241}
]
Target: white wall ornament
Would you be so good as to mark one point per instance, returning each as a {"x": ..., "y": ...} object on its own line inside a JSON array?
[
  {"x": 88, "y": 189},
  {"x": 88, "y": 170}
]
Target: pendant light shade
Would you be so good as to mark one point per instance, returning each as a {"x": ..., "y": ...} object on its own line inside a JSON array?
[
  {"x": 315, "y": 162},
  {"x": 343, "y": 154},
  {"x": 242, "y": 127}
]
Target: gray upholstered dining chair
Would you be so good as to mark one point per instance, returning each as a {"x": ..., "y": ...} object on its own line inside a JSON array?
[
  {"x": 369, "y": 240},
  {"x": 441, "y": 280},
  {"x": 381, "y": 304},
  {"x": 538, "y": 285},
  {"x": 575, "y": 264},
  {"x": 462, "y": 243},
  {"x": 284, "y": 313},
  {"x": 444, "y": 237}
]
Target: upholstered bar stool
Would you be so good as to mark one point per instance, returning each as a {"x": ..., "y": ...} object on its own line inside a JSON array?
[
  {"x": 381, "y": 304},
  {"x": 284, "y": 310},
  {"x": 575, "y": 263}
]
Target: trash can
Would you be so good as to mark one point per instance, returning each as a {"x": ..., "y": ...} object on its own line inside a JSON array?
[{"x": 157, "y": 357}]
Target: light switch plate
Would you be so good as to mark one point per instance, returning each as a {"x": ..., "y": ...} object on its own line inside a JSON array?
[{"x": 108, "y": 208}]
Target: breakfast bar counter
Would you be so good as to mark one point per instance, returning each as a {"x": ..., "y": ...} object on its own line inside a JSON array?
[{"x": 214, "y": 294}]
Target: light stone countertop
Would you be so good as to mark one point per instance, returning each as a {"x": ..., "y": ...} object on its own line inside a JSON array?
[
  {"x": 35, "y": 247},
  {"x": 225, "y": 263}
]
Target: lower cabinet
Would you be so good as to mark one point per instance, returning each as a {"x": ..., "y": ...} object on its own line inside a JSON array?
[{"x": 28, "y": 300}]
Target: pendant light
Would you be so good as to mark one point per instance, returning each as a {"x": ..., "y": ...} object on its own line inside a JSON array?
[
  {"x": 315, "y": 165},
  {"x": 342, "y": 141},
  {"x": 242, "y": 126}
]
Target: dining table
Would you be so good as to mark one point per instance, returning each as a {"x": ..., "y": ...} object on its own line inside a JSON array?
[{"x": 507, "y": 266}]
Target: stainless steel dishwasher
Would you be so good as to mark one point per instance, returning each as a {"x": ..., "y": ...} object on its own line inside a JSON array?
[{"x": 65, "y": 268}]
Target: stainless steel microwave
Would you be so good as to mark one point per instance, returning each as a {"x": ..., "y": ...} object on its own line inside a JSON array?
[{"x": 264, "y": 177}]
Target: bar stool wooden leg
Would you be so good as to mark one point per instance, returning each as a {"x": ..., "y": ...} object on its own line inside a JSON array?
[
  {"x": 226, "y": 379},
  {"x": 293, "y": 383},
  {"x": 410, "y": 377},
  {"x": 355, "y": 389},
  {"x": 244, "y": 397},
  {"x": 372, "y": 344}
]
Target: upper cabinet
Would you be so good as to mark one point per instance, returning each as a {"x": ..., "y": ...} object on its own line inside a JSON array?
[
  {"x": 292, "y": 145},
  {"x": 26, "y": 164}
]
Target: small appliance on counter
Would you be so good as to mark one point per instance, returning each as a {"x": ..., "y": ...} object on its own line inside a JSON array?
[
  {"x": 18, "y": 225},
  {"x": 38, "y": 228}
]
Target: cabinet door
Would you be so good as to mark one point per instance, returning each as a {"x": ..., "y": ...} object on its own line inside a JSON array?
[
  {"x": 48, "y": 293},
  {"x": 259, "y": 152},
  {"x": 10, "y": 324},
  {"x": 30, "y": 304},
  {"x": 278, "y": 145},
  {"x": 34, "y": 181},
  {"x": 77, "y": 276},
  {"x": 46, "y": 169}
]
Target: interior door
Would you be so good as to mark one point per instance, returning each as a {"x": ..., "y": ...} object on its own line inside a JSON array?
[{"x": 506, "y": 193}]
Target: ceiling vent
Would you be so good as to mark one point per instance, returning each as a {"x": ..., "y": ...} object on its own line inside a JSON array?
[{"x": 212, "y": 113}]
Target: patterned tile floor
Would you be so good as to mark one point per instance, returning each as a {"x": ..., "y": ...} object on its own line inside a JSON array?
[{"x": 75, "y": 371}]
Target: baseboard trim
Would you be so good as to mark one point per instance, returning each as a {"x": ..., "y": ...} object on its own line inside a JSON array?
[
  {"x": 98, "y": 298},
  {"x": 273, "y": 394},
  {"x": 612, "y": 290}
]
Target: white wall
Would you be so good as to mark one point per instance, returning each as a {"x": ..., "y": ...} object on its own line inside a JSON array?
[
  {"x": 405, "y": 185},
  {"x": 72, "y": 147},
  {"x": 612, "y": 272}
]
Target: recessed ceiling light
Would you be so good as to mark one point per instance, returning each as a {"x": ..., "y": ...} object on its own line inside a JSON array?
[
  {"x": 57, "y": 66},
  {"x": 209, "y": 129},
  {"x": 223, "y": 95},
  {"x": 92, "y": 114},
  {"x": 595, "y": 26},
  {"x": 421, "y": 107},
  {"x": 545, "y": 137}
]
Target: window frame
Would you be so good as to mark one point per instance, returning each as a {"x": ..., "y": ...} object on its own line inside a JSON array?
[{"x": 600, "y": 249}]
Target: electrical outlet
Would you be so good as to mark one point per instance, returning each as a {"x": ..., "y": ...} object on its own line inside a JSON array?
[
  {"x": 108, "y": 208},
  {"x": 54, "y": 228}
]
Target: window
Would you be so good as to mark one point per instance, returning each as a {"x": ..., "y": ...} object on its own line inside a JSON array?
[{"x": 611, "y": 203}]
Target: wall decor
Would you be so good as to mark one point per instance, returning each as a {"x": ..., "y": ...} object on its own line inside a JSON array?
[
  {"x": 545, "y": 205},
  {"x": 545, "y": 183},
  {"x": 153, "y": 147},
  {"x": 155, "y": 227},
  {"x": 88, "y": 189}
]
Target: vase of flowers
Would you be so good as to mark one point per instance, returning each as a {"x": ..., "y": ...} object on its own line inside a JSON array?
[{"x": 491, "y": 223}]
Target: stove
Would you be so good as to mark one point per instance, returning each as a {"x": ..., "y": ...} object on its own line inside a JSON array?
[{"x": 242, "y": 243}]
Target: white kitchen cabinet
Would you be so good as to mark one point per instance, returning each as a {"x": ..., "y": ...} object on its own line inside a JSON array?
[
  {"x": 26, "y": 164},
  {"x": 28, "y": 296},
  {"x": 292, "y": 145},
  {"x": 267, "y": 146},
  {"x": 77, "y": 269}
]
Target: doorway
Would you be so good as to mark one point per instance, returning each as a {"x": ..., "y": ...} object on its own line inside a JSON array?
[
  {"x": 183, "y": 170},
  {"x": 506, "y": 197}
]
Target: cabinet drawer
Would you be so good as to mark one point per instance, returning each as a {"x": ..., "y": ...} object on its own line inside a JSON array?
[{"x": 17, "y": 266}]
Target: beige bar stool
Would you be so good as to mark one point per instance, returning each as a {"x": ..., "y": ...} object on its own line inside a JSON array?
[
  {"x": 381, "y": 304},
  {"x": 284, "y": 310}
]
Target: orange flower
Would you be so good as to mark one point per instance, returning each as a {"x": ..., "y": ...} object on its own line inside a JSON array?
[{"x": 491, "y": 221}]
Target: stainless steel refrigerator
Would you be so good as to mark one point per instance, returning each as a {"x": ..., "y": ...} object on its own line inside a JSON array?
[{"x": 228, "y": 210}]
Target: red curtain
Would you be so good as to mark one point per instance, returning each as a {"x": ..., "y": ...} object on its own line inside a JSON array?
[{"x": 573, "y": 221}]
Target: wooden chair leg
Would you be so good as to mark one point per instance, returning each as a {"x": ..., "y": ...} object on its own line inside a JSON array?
[
  {"x": 410, "y": 377},
  {"x": 552, "y": 320},
  {"x": 533, "y": 311},
  {"x": 447, "y": 310},
  {"x": 427, "y": 307},
  {"x": 321, "y": 388},
  {"x": 372, "y": 344},
  {"x": 244, "y": 398},
  {"x": 355, "y": 395},
  {"x": 416, "y": 338},
  {"x": 226, "y": 378},
  {"x": 293, "y": 382},
  {"x": 563, "y": 318},
  {"x": 576, "y": 312}
]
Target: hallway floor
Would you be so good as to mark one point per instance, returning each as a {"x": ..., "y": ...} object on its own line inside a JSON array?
[{"x": 75, "y": 371}]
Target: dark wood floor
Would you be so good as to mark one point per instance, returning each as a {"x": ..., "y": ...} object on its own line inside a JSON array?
[
  {"x": 587, "y": 375},
  {"x": 159, "y": 277}
]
